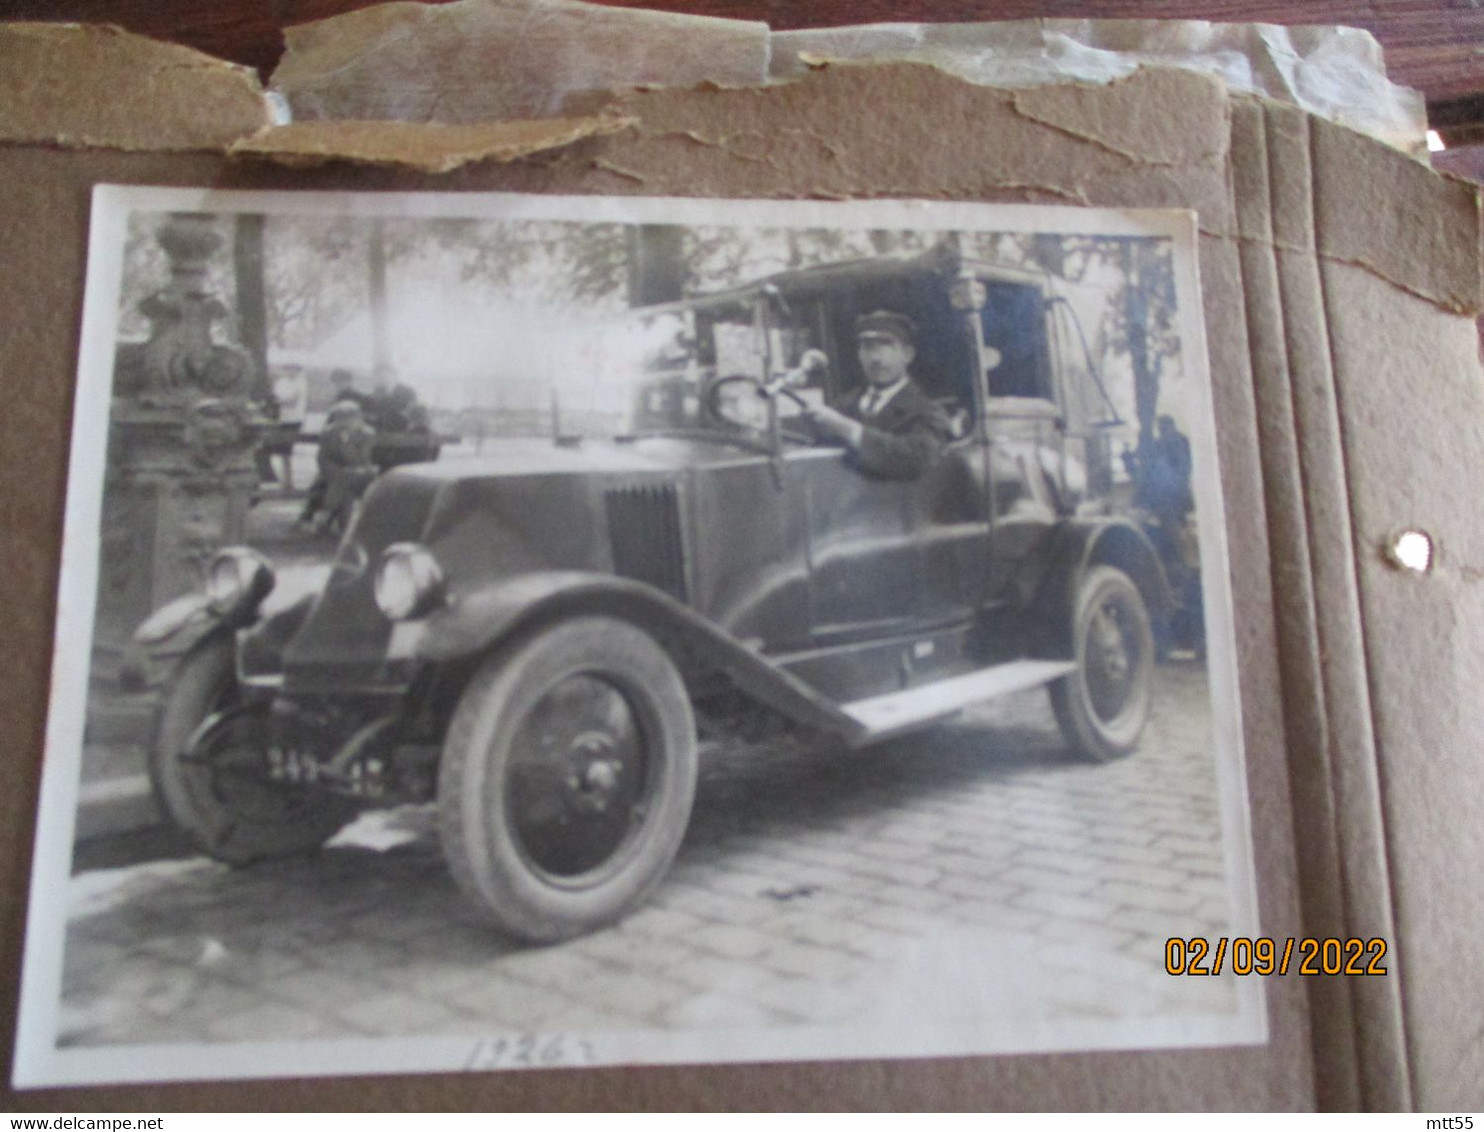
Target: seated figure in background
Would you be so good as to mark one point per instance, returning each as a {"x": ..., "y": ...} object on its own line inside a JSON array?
[
  {"x": 345, "y": 467},
  {"x": 404, "y": 432}
]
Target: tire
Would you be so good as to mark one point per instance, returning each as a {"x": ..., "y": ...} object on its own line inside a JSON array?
[
  {"x": 567, "y": 779},
  {"x": 218, "y": 794},
  {"x": 1103, "y": 706}
]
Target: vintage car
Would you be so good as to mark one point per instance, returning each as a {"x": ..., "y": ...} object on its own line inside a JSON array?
[{"x": 544, "y": 640}]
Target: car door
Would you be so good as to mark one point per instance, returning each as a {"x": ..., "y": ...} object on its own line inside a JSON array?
[
  {"x": 949, "y": 523},
  {"x": 1025, "y": 461},
  {"x": 891, "y": 556},
  {"x": 863, "y": 555}
]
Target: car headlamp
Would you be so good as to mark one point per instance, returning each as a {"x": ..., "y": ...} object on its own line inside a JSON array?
[
  {"x": 237, "y": 576},
  {"x": 409, "y": 581}
]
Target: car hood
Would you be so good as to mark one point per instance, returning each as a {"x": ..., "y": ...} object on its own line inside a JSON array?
[
  {"x": 537, "y": 457},
  {"x": 527, "y": 506}
]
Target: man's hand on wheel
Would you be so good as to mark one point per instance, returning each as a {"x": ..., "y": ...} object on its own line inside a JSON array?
[{"x": 830, "y": 422}]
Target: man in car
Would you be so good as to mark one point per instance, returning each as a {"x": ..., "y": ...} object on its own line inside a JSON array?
[{"x": 893, "y": 429}]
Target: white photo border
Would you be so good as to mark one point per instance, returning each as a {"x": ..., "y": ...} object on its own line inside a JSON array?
[{"x": 39, "y": 1062}]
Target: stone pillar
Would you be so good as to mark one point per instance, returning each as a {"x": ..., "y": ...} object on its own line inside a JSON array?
[{"x": 180, "y": 474}]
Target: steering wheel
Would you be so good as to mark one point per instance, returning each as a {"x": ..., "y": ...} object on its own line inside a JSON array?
[
  {"x": 786, "y": 429},
  {"x": 713, "y": 399},
  {"x": 764, "y": 390}
]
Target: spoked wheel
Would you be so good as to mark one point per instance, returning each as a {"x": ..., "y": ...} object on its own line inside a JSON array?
[
  {"x": 567, "y": 778},
  {"x": 1103, "y": 706},
  {"x": 209, "y": 769},
  {"x": 579, "y": 777}
]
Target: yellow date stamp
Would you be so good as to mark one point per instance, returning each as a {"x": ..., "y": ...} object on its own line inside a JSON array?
[{"x": 1240, "y": 955}]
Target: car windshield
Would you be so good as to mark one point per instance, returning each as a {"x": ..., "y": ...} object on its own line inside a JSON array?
[{"x": 651, "y": 371}]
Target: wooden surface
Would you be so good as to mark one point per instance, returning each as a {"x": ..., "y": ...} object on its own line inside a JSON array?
[{"x": 1436, "y": 46}]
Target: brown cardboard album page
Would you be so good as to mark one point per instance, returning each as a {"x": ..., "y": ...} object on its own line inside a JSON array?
[{"x": 1328, "y": 264}]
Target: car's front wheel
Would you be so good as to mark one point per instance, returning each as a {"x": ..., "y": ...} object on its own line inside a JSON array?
[
  {"x": 1102, "y": 706},
  {"x": 567, "y": 778},
  {"x": 209, "y": 769}
]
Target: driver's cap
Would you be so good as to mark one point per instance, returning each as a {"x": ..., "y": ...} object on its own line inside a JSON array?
[{"x": 886, "y": 324}]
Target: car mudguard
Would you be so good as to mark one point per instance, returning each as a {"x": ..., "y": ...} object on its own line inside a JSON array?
[
  {"x": 165, "y": 636},
  {"x": 169, "y": 633},
  {"x": 474, "y": 622},
  {"x": 177, "y": 625},
  {"x": 182, "y": 625},
  {"x": 1076, "y": 547}
]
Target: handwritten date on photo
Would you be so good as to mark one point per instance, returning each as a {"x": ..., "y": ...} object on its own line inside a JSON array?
[
  {"x": 529, "y": 1051},
  {"x": 1263, "y": 956}
]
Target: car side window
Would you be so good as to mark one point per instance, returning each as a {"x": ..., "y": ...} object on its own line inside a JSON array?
[{"x": 1013, "y": 320}]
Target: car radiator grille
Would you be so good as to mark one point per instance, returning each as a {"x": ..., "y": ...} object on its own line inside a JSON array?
[{"x": 644, "y": 531}]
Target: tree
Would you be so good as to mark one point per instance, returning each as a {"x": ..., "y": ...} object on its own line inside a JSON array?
[
  {"x": 312, "y": 282},
  {"x": 655, "y": 255},
  {"x": 252, "y": 305},
  {"x": 146, "y": 270},
  {"x": 591, "y": 263},
  {"x": 376, "y": 257},
  {"x": 725, "y": 257},
  {"x": 1139, "y": 321},
  {"x": 560, "y": 261}
]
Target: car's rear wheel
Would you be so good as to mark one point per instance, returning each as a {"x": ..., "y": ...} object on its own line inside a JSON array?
[
  {"x": 1102, "y": 707},
  {"x": 209, "y": 769},
  {"x": 567, "y": 778}
]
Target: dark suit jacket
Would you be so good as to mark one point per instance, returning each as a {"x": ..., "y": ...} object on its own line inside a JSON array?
[{"x": 904, "y": 438}]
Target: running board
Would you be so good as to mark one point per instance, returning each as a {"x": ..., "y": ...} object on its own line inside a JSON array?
[{"x": 880, "y": 716}]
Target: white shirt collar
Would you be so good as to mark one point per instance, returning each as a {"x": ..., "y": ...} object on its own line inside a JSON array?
[{"x": 879, "y": 397}]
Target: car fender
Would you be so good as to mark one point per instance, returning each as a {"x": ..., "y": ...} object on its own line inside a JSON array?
[
  {"x": 169, "y": 633},
  {"x": 1078, "y": 546},
  {"x": 178, "y": 624},
  {"x": 476, "y": 621},
  {"x": 183, "y": 625}
]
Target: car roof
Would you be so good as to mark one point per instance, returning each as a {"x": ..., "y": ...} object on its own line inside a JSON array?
[{"x": 862, "y": 269}]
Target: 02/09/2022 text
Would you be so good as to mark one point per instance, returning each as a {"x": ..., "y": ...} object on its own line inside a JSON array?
[{"x": 1263, "y": 955}]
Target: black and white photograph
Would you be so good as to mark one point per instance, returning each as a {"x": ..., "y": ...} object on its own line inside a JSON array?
[{"x": 501, "y": 631}]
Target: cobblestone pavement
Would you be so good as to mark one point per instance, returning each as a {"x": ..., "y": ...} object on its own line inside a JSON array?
[{"x": 977, "y": 870}]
